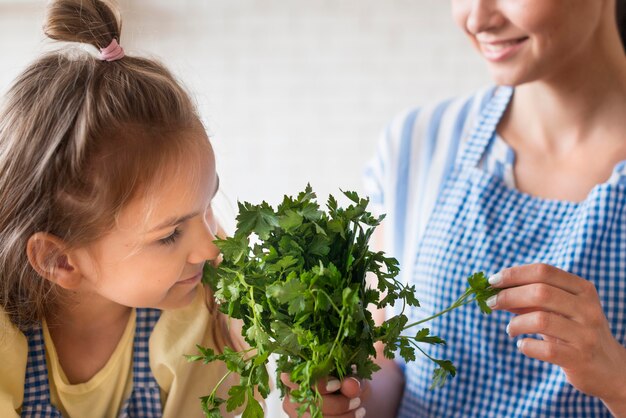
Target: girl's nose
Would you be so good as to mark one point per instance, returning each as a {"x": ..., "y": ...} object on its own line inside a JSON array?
[
  {"x": 483, "y": 16},
  {"x": 204, "y": 247}
]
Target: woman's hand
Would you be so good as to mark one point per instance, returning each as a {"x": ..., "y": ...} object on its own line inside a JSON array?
[
  {"x": 340, "y": 399},
  {"x": 565, "y": 309}
]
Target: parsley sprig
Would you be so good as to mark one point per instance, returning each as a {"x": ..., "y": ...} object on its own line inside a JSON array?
[{"x": 296, "y": 277}]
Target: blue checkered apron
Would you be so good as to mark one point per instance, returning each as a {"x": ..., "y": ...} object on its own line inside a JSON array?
[
  {"x": 145, "y": 400},
  {"x": 480, "y": 224}
]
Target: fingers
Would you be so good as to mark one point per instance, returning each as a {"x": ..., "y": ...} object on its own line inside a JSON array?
[
  {"x": 540, "y": 296},
  {"x": 332, "y": 406},
  {"x": 339, "y": 398},
  {"x": 535, "y": 287},
  {"x": 349, "y": 387},
  {"x": 553, "y": 352},
  {"x": 539, "y": 273},
  {"x": 566, "y": 311},
  {"x": 284, "y": 377},
  {"x": 291, "y": 409},
  {"x": 551, "y": 326}
]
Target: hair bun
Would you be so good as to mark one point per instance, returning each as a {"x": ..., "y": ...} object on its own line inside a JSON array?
[{"x": 93, "y": 22}]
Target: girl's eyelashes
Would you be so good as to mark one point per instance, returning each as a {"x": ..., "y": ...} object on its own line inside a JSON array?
[{"x": 171, "y": 239}]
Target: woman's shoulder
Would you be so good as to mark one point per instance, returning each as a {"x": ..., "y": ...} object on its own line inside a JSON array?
[
  {"x": 417, "y": 136},
  {"x": 14, "y": 354},
  {"x": 415, "y": 153},
  {"x": 429, "y": 119}
]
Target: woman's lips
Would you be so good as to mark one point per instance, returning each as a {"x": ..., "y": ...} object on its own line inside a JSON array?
[
  {"x": 496, "y": 51},
  {"x": 192, "y": 280}
]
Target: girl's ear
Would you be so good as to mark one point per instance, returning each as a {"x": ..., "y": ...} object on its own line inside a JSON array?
[{"x": 47, "y": 255}]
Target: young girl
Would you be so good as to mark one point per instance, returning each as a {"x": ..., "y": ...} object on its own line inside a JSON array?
[
  {"x": 525, "y": 181},
  {"x": 106, "y": 179}
]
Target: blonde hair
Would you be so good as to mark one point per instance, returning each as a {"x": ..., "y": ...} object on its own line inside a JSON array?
[{"x": 79, "y": 138}]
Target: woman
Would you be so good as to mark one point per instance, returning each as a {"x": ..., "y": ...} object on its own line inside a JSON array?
[{"x": 525, "y": 181}]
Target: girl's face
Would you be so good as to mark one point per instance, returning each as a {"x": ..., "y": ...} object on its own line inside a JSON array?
[
  {"x": 528, "y": 40},
  {"x": 155, "y": 254}
]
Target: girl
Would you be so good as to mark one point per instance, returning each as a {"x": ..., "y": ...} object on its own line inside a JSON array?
[
  {"x": 106, "y": 178},
  {"x": 525, "y": 181}
]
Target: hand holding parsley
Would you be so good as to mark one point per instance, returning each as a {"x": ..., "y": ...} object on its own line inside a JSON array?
[{"x": 295, "y": 276}]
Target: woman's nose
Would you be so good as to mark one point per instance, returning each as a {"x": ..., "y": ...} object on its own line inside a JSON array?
[{"x": 483, "y": 16}]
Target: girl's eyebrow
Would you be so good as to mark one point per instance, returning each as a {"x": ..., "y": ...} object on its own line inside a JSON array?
[{"x": 173, "y": 221}]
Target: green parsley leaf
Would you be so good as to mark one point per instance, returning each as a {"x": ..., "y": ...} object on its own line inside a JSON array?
[
  {"x": 253, "y": 409},
  {"x": 237, "y": 397}
]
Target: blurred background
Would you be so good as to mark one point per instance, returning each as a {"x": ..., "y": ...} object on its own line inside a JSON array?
[{"x": 291, "y": 91}]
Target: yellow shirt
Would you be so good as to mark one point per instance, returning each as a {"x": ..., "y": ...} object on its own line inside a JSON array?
[{"x": 182, "y": 383}]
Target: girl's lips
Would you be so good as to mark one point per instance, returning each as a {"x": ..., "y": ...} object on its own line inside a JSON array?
[
  {"x": 193, "y": 280},
  {"x": 501, "y": 50}
]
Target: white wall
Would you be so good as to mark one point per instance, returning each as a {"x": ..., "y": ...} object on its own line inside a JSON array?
[{"x": 292, "y": 91}]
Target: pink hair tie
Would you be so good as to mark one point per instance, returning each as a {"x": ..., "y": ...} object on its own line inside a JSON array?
[{"x": 112, "y": 52}]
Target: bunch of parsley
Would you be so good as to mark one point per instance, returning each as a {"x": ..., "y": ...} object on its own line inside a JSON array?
[{"x": 296, "y": 277}]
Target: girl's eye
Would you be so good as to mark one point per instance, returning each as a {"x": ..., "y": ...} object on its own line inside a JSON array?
[{"x": 171, "y": 239}]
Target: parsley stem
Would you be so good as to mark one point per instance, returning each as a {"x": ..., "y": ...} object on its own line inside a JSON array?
[
  {"x": 455, "y": 305},
  {"x": 348, "y": 263},
  {"x": 414, "y": 344},
  {"x": 220, "y": 382},
  {"x": 329, "y": 299},
  {"x": 339, "y": 332}
]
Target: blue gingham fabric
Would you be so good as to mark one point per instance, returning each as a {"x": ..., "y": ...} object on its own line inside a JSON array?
[
  {"x": 480, "y": 223},
  {"x": 36, "y": 402},
  {"x": 145, "y": 400}
]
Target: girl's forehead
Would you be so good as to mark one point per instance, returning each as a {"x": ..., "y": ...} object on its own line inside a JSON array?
[{"x": 181, "y": 188}]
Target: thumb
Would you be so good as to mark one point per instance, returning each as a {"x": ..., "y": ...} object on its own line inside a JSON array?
[{"x": 350, "y": 387}]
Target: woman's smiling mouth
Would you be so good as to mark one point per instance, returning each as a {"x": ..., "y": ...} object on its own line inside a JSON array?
[{"x": 499, "y": 50}]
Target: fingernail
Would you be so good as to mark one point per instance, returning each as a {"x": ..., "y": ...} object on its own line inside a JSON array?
[
  {"x": 360, "y": 413},
  {"x": 354, "y": 403},
  {"x": 333, "y": 385},
  {"x": 519, "y": 344},
  {"x": 508, "y": 329},
  {"x": 491, "y": 302},
  {"x": 495, "y": 279}
]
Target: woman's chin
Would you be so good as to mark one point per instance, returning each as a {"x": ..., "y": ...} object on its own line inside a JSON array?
[{"x": 506, "y": 77}]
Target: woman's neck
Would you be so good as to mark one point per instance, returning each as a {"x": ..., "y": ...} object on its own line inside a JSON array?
[
  {"x": 567, "y": 130},
  {"x": 559, "y": 120},
  {"x": 577, "y": 102}
]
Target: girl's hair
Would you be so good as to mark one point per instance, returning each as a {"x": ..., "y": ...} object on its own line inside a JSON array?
[
  {"x": 80, "y": 138},
  {"x": 621, "y": 20}
]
